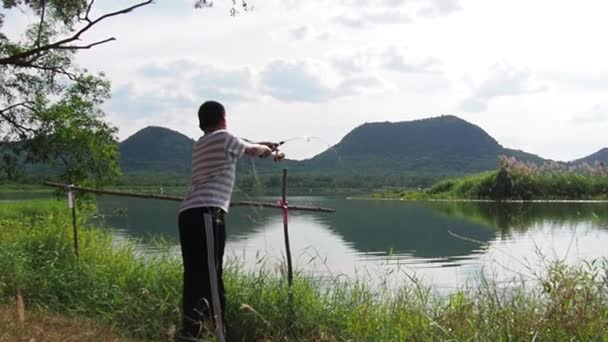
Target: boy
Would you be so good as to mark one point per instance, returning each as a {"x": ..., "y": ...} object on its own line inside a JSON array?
[{"x": 201, "y": 220}]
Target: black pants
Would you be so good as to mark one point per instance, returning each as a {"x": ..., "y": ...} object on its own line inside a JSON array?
[{"x": 202, "y": 234}]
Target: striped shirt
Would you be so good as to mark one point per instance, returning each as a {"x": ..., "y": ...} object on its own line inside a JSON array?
[{"x": 214, "y": 158}]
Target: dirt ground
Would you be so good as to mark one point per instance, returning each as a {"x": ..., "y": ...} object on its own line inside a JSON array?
[{"x": 40, "y": 326}]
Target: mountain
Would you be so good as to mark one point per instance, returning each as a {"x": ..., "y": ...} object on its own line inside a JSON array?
[
  {"x": 601, "y": 156},
  {"x": 441, "y": 146},
  {"x": 398, "y": 153},
  {"x": 156, "y": 149}
]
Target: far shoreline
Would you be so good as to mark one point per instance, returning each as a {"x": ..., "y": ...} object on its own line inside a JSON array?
[{"x": 350, "y": 198}]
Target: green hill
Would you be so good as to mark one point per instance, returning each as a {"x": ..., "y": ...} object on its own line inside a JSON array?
[
  {"x": 156, "y": 150},
  {"x": 599, "y": 156},
  {"x": 411, "y": 153},
  {"x": 436, "y": 147}
]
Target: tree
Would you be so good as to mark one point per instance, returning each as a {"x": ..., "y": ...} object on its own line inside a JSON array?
[
  {"x": 245, "y": 7},
  {"x": 49, "y": 108}
]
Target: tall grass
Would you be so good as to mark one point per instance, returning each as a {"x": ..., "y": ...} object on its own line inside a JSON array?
[
  {"x": 516, "y": 180},
  {"x": 139, "y": 295}
]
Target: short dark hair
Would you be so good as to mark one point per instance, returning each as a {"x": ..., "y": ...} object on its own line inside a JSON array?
[{"x": 210, "y": 114}]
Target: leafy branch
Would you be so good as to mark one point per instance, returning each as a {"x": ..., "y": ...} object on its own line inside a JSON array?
[{"x": 28, "y": 57}]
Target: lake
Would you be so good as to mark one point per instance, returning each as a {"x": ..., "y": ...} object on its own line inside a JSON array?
[{"x": 443, "y": 244}]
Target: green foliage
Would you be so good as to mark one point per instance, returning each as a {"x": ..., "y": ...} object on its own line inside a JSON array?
[
  {"x": 76, "y": 136},
  {"x": 139, "y": 294},
  {"x": 49, "y": 108},
  {"x": 108, "y": 282},
  {"x": 64, "y": 11},
  {"x": 516, "y": 180}
]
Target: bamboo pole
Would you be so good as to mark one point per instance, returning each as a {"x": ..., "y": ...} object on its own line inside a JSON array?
[
  {"x": 75, "y": 227},
  {"x": 20, "y": 308},
  {"x": 179, "y": 199},
  {"x": 285, "y": 207},
  {"x": 72, "y": 206},
  {"x": 286, "y": 228}
]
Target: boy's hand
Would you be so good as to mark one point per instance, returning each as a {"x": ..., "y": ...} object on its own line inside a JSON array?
[
  {"x": 265, "y": 151},
  {"x": 258, "y": 150},
  {"x": 273, "y": 146}
]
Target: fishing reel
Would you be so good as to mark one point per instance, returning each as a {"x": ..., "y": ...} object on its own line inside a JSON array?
[{"x": 278, "y": 156}]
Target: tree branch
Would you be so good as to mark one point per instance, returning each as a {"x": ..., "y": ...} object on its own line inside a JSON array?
[
  {"x": 67, "y": 164},
  {"x": 41, "y": 25},
  {"x": 86, "y": 16},
  {"x": 22, "y": 57},
  {"x": 82, "y": 47},
  {"x": 58, "y": 70},
  {"x": 13, "y": 106},
  {"x": 22, "y": 129}
]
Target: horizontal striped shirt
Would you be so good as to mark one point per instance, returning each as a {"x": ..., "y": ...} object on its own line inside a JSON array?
[{"x": 214, "y": 158}]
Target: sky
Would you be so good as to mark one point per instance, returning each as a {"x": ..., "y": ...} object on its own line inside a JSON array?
[{"x": 533, "y": 74}]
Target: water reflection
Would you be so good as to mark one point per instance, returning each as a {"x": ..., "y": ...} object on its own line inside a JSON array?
[
  {"x": 520, "y": 216},
  {"x": 395, "y": 241}
]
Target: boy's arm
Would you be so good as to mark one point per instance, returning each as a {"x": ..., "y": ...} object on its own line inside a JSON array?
[
  {"x": 237, "y": 147},
  {"x": 258, "y": 150},
  {"x": 273, "y": 146}
]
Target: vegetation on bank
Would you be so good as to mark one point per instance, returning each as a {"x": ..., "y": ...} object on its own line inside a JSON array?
[
  {"x": 21, "y": 188},
  {"x": 516, "y": 180},
  {"x": 139, "y": 295}
]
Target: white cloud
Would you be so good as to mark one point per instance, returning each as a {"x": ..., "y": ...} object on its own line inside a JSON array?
[
  {"x": 299, "y": 33},
  {"x": 305, "y": 32},
  {"x": 371, "y": 13},
  {"x": 439, "y": 8},
  {"x": 371, "y": 18},
  {"x": 396, "y": 59},
  {"x": 323, "y": 36},
  {"x": 293, "y": 81},
  {"x": 597, "y": 114},
  {"x": 356, "y": 62},
  {"x": 301, "y": 81},
  {"x": 137, "y": 103},
  {"x": 179, "y": 84},
  {"x": 501, "y": 80},
  {"x": 572, "y": 81},
  {"x": 391, "y": 58}
]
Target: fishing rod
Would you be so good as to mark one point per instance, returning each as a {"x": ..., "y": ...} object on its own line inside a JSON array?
[{"x": 277, "y": 154}]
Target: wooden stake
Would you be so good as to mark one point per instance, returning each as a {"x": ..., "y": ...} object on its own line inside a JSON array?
[
  {"x": 75, "y": 226},
  {"x": 20, "y": 309},
  {"x": 291, "y": 312},
  {"x": 286, "y": 228},
  {"x": 72, "y": 205}
]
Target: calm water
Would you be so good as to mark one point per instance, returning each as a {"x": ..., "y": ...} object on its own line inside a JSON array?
[{"x": 445, "y": 244}]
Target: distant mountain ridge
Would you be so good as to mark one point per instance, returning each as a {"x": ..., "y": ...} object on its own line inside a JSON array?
[
  {"x": 156, "y": 149},
  {"x": 444, "y": 144},
  {"x": 430, "y": 148},
  {"x": 599, "y": 156}
]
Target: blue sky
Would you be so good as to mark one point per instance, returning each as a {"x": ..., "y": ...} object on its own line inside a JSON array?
[{"x": 534, "y": 74}]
